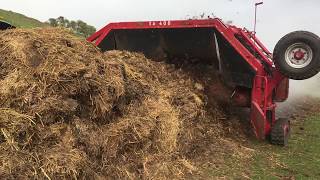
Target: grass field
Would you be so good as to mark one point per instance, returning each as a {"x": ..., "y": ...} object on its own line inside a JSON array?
[
  {"x": 19, "y": 20},
  {"x": 300, "y": 160}
]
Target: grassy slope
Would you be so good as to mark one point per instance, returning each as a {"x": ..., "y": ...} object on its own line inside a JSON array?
[{"x": 19, "y": 20}]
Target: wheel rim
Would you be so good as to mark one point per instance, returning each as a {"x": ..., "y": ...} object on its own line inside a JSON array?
[{"x": 299, "y": 55}]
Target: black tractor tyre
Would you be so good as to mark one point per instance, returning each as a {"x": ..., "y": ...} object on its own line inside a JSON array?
[
  {"x": 297, "y": 55},
  {"x": 280, "y": 132}
]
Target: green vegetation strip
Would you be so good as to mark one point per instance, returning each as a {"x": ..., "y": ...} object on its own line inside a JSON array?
[{"x": 19, "y": 20}]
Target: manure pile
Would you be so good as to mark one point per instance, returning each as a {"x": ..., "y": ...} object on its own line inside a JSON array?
[{"x": 69, "y": 111}]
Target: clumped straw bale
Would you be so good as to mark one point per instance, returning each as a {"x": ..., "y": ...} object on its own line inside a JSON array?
[{"x": 68, "y": 111}]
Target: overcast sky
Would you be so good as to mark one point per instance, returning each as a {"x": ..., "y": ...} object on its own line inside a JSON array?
[{"x": 275, "y": 17}]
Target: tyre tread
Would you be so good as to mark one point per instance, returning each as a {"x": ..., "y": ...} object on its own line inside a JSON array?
[{"x": 277, "y": 134}]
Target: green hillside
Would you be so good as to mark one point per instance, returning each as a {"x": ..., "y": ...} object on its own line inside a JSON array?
[{"x": 19, "y": 20}]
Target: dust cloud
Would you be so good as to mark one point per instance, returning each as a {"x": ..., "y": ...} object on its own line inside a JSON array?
[
  {"x": 309, "y": 87},
  {"x": 302, "y": 97}
]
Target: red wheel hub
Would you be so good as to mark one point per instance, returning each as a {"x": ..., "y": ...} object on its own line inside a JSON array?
[{"x": 298, "y": 55}]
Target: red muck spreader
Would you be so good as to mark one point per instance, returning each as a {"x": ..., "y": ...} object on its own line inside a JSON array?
[{"x": 253, "y": 71}]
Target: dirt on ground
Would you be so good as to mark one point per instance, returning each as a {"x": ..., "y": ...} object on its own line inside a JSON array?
[{"x": 68, "y": 111}]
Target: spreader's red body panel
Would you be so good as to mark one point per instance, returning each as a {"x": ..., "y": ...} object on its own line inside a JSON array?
[{"x": 247, "y": 58}]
